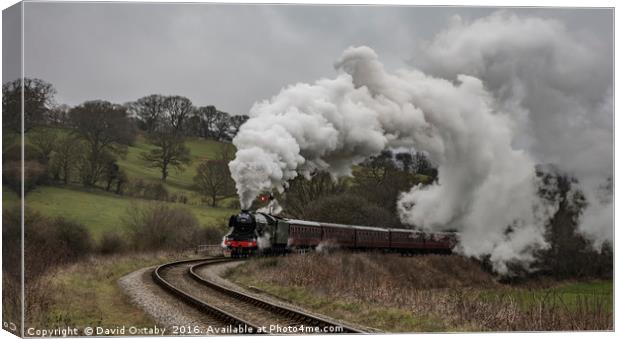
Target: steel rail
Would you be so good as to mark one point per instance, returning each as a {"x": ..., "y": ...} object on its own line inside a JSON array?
[
  {"x": 194, "y": 301},
  {"x": 268, "y": 306}
]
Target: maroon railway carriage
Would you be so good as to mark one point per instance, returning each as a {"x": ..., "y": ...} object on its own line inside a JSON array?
[
  {"x": 412, "y": 241},
  {"x": 403, "y": 240},
  {"x": 440, "y": 242},
  {"x": 338, "y": 235},
  {"x": 371, "y": 237},
  {"x": 287, "y": 234},
  {"x": 304, "y": 234}
]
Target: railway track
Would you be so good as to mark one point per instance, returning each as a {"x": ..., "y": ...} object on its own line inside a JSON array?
[{"x": 237, "y": 308}]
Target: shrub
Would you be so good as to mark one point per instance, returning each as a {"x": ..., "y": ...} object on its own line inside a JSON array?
[
  {"x": 112, "y": 242},
  {"x": 147, "y": 190},
  {"x": 157, "y": 226},
  {"x": 155, "y": 191},
  {"x": 14, "y": 153},
  {"x": 135, "y": 188},
  {"x": 183, "y": 198},
  {"x": 214, "y": 235},
  {"x": 34, "y": 174},
  {"x": 48, "y": 242},
  {"x": 232, "y": 203}
]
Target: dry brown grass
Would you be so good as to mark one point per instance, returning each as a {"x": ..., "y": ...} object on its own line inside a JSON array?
[
  {"x": 86, "y": 293},
  {"x": 453, "y": 291}
]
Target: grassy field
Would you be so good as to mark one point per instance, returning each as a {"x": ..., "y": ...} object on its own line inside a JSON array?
[
  {"x": 570, "y": 294},
  {"x": 87, "y": 293},
  {"x": 136, "y": 167},
  {"x": 426, "y": 293},
  {"x": 101, "y": 211}
]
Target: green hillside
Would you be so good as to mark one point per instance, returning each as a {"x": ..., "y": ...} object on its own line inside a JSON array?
[
  {"x": 136, "y": 167},
  {"x": 103, "y": 211}
]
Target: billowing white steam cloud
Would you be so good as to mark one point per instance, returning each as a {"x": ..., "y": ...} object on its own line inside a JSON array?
[
  {"x": 557, "y": 88},
  {"x": 486, "y": 188}
]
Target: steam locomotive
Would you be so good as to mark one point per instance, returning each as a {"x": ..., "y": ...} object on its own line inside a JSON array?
[{"x": 254, "y": 232}]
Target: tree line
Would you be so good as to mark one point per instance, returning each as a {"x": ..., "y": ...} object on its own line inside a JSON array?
[{"x": 97, "y": 132}]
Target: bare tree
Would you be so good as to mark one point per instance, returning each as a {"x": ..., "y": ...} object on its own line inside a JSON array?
[
  {"x": 177, "y": 110},
  {"x": 213, "y": 180},
  {"x": 106, "y": 130},
  {"x": 45, "y": 140},
  {"x": 213, "y": 177},
  {"x": 422, "y": 165},
  {"x": 222, "y": 125},
  {"x": 38, "y": 98},
  {"x": 193, "y": 125},
  {"x": 59, "y": 115},
  {"x": 406, "y": 159},
  {"x": 207, "y": 115},
  {"x": 236, "y": 121},
  {"x": 170, "y": 152},
  {"x": 65, "y": 156},
  {"x": 149, "y": 109}
]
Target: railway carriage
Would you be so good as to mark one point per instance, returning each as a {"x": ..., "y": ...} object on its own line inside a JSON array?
[
  {"x": 251, "y": 232},
  {"x": 440, "y": 242},
  {"x": 407, "y": 241},
  {"x": 336, "y": 235},
  {"x": 371, "y": 237},
  {"x": 304, "y": 234}
]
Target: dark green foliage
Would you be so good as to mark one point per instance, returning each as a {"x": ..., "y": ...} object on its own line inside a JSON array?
[
  {"x": 381, "y": 181},
  {"x": 570, "y": 254},
  {"x": 350, "y": 209},
  {"x": 303, "y": 193}
]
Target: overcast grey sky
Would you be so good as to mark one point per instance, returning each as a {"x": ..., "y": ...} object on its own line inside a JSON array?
[{"x": 229, "y": 55}]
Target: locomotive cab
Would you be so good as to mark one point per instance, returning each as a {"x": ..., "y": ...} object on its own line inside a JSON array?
[{"x": 241, "y": 239}]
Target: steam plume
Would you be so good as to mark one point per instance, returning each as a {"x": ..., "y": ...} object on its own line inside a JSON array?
[
  {"x": 486, "y": 188},
  {"x": 557, "y": 89}
]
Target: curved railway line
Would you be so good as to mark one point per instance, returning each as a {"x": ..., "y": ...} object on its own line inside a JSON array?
[{"x": 230, "y": 307}]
